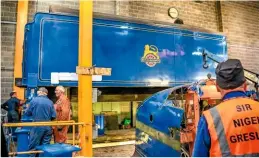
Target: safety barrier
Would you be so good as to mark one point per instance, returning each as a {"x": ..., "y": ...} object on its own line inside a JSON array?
[
  {"x": 52, "y": 123},
  {"x": 25, "y": 152},
  {"x": 100, "y": 145}
]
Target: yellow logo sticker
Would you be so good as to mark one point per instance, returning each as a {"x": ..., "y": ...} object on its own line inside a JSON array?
[{"x": 150, "y": 57}]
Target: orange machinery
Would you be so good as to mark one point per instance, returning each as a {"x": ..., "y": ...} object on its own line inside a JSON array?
[{"x": 194, "y": 106}]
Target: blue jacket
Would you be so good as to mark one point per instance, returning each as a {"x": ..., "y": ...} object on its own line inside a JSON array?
[
  {"x": 41, "y": 109},
  {"x": 202, "y": 141},
  {"x": 11, "y": 104}
]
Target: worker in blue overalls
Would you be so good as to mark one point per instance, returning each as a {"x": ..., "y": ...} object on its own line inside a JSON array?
[
  {"x": 41, "y": 108},
  {"x": 12, "y": 106}
]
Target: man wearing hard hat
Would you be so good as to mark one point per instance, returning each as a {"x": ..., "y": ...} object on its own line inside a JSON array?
[{"x": 232, "y": 127}]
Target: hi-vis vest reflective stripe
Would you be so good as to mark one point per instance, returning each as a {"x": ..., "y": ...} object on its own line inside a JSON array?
[{"x": 234, "y": 128}]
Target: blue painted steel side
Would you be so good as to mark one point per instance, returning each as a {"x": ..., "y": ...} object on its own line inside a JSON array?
[
  {"x": 23, "y": 135},
  {"x": 51, "y": 45},
  {"x": 99, "y": 120},
  {"x": 57, "y": 150},
  {"x": 164, "y": 116},
  {"x": 22, "y": 141},
  {"x": 26, "y": 119},
  {"x": 154, "y": 148}
]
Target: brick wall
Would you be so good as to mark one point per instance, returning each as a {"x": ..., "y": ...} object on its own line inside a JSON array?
[
  {"x": 195, "y": 14},
  {"x": 108, "y": 7},
  {"x": 43, "y": 6},
  {"x": 241, "y": 25},
  {"x": 238, "y": 20},
  {"x": 8, "y": 13}
]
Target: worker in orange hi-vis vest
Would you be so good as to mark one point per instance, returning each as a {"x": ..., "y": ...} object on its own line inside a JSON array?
[{"x": 232, "y": 127}]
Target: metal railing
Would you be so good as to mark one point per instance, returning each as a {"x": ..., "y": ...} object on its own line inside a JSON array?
[{"x": 52, "y": 123}]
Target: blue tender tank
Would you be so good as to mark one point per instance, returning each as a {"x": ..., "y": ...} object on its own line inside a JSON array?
[{"x": 140, "y": 53}]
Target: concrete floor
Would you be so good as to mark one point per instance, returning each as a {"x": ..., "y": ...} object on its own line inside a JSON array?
[
  {"x": 116, "y": 136},
  {"x": 114, "y": 151},
  {"x": 118, "y": 151}
]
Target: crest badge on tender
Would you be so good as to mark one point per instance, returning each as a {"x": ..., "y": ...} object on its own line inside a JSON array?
[{"x": 150, "y": 57}]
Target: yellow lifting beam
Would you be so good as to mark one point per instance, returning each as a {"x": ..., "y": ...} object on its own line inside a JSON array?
[
  {"x": 85, "y": 81},
  {"x": 22, "y": 14}
]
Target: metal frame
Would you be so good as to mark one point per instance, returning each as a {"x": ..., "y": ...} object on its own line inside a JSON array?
[
  {"x": 85, "y": 81},
  {"x": 22, "y": 15}
]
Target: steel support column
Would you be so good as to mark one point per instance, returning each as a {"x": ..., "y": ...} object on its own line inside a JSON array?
[
  {"x": 85, "y": 81},
  {"x": 22, "y": 14}
]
